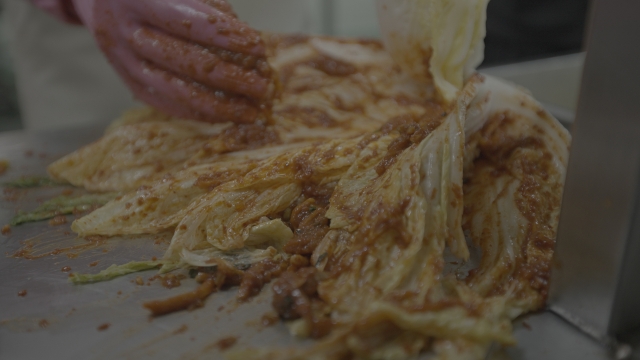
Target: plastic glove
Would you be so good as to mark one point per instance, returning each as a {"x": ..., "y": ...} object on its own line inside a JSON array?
[
  {"x": 62, "y": 9},
  {"x": 189, "y": 58}
]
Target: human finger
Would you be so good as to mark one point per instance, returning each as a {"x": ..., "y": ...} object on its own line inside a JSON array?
[
  {"x": 201, "y": 23},
  {"x": 183, "y": 98},
  {"x": 200, "y": 64}
]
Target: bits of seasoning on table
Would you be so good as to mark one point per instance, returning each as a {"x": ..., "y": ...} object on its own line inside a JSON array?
[
  {"x": 43, "y": 323},
  {"x": 103, "y": 327},
  {"x": 169, "y": 281},
  {"x": 22, "y": 293},
  {"x": 66, "y": 269},
  {"x": 4, "y": 165},
  {"x": 6, "y": 230},
  {"x": 139, "y": 280},
  {"x": 93, "y": 263},
  {"x": 269, "y": 319},
  {"x": 225, "y": 343},
  {"x": 58, "y": 220},
  {"x": 181, "y": 329}
]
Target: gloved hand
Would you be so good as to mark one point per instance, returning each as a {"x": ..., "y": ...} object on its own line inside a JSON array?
[
  {"x": 190, "y": 58},
  {"x": 62, "y": 9}
]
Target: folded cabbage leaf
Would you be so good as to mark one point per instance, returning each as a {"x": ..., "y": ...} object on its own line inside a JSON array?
[{"x": 331, "y": 89}]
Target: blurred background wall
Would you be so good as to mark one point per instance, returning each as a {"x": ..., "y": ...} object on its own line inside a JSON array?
[
  {"x": 517, "y": 31},
  {"x": 9, "y": 112}
]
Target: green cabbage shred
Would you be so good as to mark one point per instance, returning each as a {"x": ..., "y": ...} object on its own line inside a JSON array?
[
  {"x": 115, "y": 271},
  {"x": 62, "y": 205}
]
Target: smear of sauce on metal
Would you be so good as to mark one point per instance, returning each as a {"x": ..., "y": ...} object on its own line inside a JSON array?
[
  {"x": 225, "y": 343},
  {"x": 35, "y": 248}
]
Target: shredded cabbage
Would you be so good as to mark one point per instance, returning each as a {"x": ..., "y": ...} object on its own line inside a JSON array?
[
  {"x": 62, "y": 205},
  {"x": 115, "y": 271}
]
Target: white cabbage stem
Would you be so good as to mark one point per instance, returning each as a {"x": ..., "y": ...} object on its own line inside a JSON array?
[{"x": 435, "y": 41}]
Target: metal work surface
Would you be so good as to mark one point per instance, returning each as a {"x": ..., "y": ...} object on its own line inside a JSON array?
[
  {"x": 61, "y": 321},
  {"x": 598, "y": 253}
]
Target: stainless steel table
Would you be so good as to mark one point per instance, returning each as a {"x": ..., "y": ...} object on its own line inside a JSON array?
[
  {"x": 61, "y": 321},
  {"x": 58, "y": 320}
]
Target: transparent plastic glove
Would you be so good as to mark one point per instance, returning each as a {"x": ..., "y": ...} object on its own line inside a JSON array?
[
  {"x": 189, "y": 58},
  {"x": 62, "y": 9}
]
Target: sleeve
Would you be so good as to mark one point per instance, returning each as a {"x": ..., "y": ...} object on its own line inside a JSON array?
[{"x": 62, "y": 9}]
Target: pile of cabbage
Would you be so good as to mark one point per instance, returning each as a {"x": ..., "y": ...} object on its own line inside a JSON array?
[{"x": 486, "y": 179}]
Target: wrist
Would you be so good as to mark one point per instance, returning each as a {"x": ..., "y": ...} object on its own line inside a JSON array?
[
  {"x": 62, "y": 9},
  {"x": 84, "y": 12}
]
